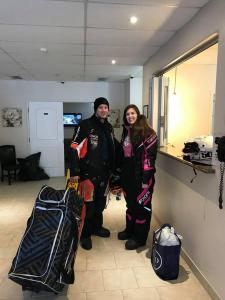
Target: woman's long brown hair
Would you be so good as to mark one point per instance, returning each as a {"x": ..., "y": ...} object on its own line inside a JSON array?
[
  {"x": 140, "y": 130},
  {"x": 141, "y": 127}
]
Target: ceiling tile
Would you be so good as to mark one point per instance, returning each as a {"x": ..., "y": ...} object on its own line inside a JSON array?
[
  {"x": 118, "y": 16},
  {"x": 39, "y": 58},
  {"x": 54, "y": 68},
  {"x": 11, "y": 69},
  {"x": 96, "y": 60},
  {"x": 26, "y": 33},
  {"x": 60, "y": 73},
  {"x": 4, "y": 59},
  {"x": 118, "y": 51},
  {"x": 63, "y": 76},
  {"x": 34, "y": 48},
  {"x": 65, "y": 0},
  {"x": 187, "y": 3},
  {"x": 39, "y": 12},
  {"x": 58, "y": 25},
  {"x": 127, "y": 37},
  {"x": 24, "y": 76},
  {"x": 105, "y": 71},
  {"x": 109, "y": 78}
]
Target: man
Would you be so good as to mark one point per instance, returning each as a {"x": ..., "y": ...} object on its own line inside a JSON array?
[{"x": 92, "y": 162}]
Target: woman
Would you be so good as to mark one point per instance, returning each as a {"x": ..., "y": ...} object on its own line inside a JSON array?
[{"x": 139, "y": 143}]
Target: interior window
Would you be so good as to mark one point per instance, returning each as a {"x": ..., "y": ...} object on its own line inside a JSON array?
[{"x": 187, "y": 99}]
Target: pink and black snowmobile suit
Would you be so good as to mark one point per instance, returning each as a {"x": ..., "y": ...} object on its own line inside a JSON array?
[{"x": 137, "y": 176}]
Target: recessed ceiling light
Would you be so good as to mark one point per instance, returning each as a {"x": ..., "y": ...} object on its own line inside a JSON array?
[
  {"x": 113, "y": 61},
  {"x": 133, "y": 20},
  {"x": 44, "y": 50}
]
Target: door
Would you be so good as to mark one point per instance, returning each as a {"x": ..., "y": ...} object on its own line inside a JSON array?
[
  {"x": 154, "y": 103},
  {"x": 47, "y": 135},
  {"x": 163, "y": 109},
  {"x": 158, "y": 104}
]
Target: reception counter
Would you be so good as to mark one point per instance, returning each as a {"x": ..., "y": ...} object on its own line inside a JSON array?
[{"x": 176, "y": 154}]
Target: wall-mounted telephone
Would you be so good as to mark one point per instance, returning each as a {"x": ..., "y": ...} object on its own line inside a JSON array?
[{"x": 220, "y": 141}]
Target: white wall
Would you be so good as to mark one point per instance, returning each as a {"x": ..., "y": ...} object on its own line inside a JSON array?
[
  {"x": 133, "y": 91},
  {"x": 118, "y": 95},
  {"x": 20, "y": 93},
  {"x": 193, "y": 208},
  {"x": 136, "y": 86},
  {"x": 127, "y": 92}
]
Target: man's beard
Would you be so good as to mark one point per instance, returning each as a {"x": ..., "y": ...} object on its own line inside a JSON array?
[{"x": 101, "y": 118}]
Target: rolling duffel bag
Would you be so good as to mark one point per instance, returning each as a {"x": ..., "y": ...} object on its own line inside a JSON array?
[
  {"x": 165, "y": 254},
  {"x": 45, "y": 257}
]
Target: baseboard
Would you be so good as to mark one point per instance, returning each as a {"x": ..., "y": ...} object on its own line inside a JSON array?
[{"x": 204, "y": 282}]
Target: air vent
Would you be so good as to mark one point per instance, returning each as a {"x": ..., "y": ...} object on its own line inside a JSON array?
[
  {"x": 16, "y": 77},
  {"x": 102, "y": 79},
  {"x": 63, "y": 0}
]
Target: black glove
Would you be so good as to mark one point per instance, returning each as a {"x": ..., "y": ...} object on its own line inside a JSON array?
[{"x": 115, "y": 181}]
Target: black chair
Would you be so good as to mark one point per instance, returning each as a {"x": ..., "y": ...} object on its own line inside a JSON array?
[{"x": 8, "y": 162}]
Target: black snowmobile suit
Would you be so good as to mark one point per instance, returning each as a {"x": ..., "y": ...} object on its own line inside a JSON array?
[{"x": 93, "y": 157}]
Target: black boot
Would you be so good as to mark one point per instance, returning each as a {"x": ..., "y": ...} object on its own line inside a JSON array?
[
  {"x": 123, "y": 235},
  {"x": 132, "y": 244},
  {"x": 102, "y": 232},
  {"x": 86, "y": 243}
]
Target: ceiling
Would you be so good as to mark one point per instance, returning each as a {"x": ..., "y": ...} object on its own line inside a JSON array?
[{"x": 82, "y": 37}]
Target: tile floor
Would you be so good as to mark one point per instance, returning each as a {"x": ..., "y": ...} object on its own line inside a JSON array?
[{"x": 107, "y": 272}]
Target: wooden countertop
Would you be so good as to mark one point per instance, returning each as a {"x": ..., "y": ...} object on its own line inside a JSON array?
[{"x": 175, "y": 153}]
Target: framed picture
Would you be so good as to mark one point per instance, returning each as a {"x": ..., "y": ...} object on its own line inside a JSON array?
[
  {"x": 12, "y": 117},
  {"x": 114, "y": 118},
  {"x": 145, "y": 110}
]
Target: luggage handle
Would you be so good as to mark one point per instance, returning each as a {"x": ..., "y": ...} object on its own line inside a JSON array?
[
  {"x": 75, "y": 186},
  {"x": 72, "y": 186}
]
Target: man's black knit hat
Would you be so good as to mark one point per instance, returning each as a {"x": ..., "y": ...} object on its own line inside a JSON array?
[{"x": 100, "y": 101}]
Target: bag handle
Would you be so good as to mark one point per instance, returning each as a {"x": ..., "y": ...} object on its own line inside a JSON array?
[
  {"x": 166, "y": 225},
  {"x": 160, "y": 232}
]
